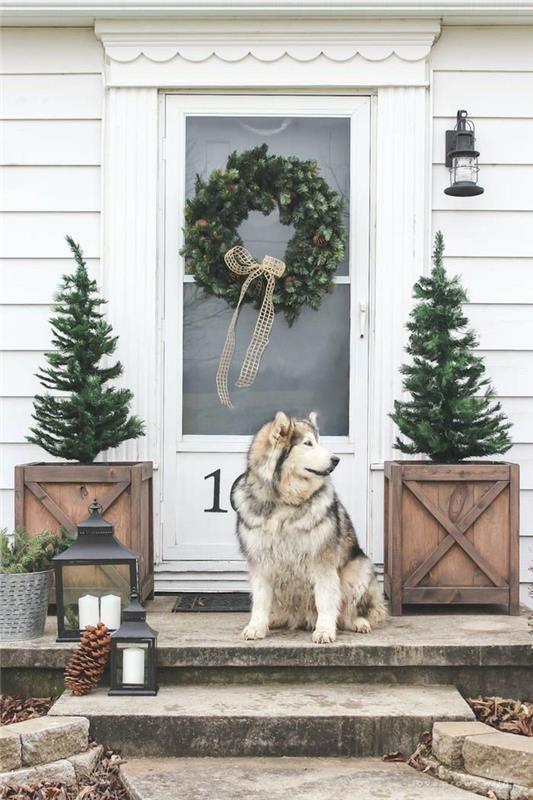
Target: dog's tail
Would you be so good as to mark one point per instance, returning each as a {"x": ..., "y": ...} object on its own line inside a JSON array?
[{"x": 377, "y": 610}]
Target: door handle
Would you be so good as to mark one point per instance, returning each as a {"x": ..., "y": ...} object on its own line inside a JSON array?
[{"x": 363, "y": 311}]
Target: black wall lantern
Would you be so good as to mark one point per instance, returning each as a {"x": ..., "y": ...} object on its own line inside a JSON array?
[
  {"x": 133, "y": 653},
  {"x": 94, "y": 578},
  {"x": 461, "y": 158}
]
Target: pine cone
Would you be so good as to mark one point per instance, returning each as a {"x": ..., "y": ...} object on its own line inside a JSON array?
[
  {"x": 86, "y": 665},
  {"x": 201, "y": 223},
  {"x": 318, "y": 240}
]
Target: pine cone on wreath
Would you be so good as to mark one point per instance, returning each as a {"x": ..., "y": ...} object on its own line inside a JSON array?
[
  {"x": 201, "y": 223},
  {"x": 319, "y": 241},
  {"x": 86, "y": 665}
]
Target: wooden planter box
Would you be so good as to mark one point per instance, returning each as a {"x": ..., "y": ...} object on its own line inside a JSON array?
[
  {"x": 53, "y": 496},
  {"x": 451, "y": 533}
]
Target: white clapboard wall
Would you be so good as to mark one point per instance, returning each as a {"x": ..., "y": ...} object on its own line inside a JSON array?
[
  {"x": 50, "y": 154},
  {"x": 489, "y": 239}
]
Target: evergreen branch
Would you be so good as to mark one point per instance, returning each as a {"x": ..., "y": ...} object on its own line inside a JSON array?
[{"x": 89, "y": 416}]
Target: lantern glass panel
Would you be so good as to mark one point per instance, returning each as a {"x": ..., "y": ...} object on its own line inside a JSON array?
[
  {"x": 95, "y": 581},
  {"x": 131, "y": 664},
  {"x": 464, "y": 168}
]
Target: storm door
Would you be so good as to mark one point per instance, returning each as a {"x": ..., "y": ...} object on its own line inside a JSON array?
[{"x": 317, "y": 364}]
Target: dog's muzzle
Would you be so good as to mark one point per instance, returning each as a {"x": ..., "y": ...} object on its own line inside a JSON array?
[{"x": 333, "y": 463}]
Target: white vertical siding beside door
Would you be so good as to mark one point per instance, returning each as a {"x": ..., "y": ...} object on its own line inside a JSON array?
[
  {"x": 50, "y": 145},
  {"x": 401, "y": 243},
  {"x": 130, "y": 280},
  {"x": 489, "y": 239}
]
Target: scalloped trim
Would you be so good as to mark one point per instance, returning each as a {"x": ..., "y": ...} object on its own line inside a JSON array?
[{"x": 159, "y": 53}]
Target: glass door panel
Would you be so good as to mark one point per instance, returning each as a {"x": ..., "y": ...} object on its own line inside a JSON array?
[{"x": 306, "y": 366}]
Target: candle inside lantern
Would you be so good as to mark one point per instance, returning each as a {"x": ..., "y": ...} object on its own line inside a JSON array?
[
  {"x": 88, "y": 611},
  {"x": 133, "y": 665},
  {"x": 110, "y": 611}
]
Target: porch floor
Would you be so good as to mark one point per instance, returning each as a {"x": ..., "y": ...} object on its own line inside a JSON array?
[{"x": 437, "y": 637}]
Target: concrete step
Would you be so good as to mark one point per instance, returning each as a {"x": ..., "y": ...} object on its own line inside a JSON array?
[
  {"x": 279, "y": 778},
  {"x": 481, "y": 653},
  {"x": 271, "y": 720}
]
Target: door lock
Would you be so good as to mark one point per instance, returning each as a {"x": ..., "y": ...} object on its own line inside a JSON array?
[{"x": 363, "y": 311}]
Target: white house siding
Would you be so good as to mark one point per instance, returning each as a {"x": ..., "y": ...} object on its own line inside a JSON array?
[
  {"x": 489, "y": 239},
  {"x": 50, "y": 150},
  {"x": 50, "y": 157}
]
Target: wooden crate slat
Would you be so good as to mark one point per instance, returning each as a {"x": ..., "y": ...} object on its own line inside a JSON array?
[
  {"x": 477, "y": 472},
  {"x": 422, "y": 570},
  {"x": 113, "y": 495},
  {"x": 496, "y": 595},
  {"x": 77, "y": 473},
  {"x": 37, "y": 490},
  {"x": 482, "y": 504},
  {"x": 514, "y": 525},
  {"x": 396, "y": 543}
]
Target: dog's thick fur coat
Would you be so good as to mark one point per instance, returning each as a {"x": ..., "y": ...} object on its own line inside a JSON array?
[{"x": 307, "y": 569}]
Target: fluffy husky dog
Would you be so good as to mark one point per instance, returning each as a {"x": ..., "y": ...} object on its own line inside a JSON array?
[{"x": 306, "y": 567}]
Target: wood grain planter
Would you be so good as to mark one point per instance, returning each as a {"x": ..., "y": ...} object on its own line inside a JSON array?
[
  {"x": 54, "y": 496},
  {"x": 451, "y": 533}
]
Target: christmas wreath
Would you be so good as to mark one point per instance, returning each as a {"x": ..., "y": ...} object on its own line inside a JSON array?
[{"x": 254, "y": 180}]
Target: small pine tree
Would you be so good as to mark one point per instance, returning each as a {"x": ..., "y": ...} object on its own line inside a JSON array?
[
  {"x": 452, "y": 414},
  {"x": 92, "y": 416}
]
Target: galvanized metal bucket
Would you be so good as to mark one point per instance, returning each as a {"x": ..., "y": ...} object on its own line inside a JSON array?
[{"x": 23, "y": 604}]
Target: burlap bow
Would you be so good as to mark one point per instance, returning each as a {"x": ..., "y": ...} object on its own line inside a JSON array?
[{"x": 240, "y": 261}]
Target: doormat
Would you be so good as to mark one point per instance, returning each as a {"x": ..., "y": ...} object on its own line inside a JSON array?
[{"x": 213, "y": 601}]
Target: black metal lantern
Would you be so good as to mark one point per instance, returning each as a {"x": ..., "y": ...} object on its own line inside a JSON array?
[
  {"x": 461, "y": 158},
  {"x": 94, "y": 578},
  {"x": 133, "y": 653}
]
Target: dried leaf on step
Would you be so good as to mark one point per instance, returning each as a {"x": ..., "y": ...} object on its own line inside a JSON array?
[
  {"x": 396, "y": 756},
  {"x": 16, "y": 709},
  {"x": 511, "y": 716}
]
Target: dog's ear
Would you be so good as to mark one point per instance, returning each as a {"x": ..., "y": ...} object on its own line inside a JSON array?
[
  {"x": 281, "y": 427},
  {"x": 313, "y": 419}
]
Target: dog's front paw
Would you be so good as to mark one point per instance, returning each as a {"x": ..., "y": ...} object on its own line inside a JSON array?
[
  {"x": 252, "y": 631},
  {"x": 323, "y": 636},
  {"x": 362, "y": 625}
]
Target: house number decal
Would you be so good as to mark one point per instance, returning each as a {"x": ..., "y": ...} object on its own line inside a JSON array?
[{"x": 215, "y": 508}]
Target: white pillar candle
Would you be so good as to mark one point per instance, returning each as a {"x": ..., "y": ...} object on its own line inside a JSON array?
[
  {"x": 88, "y": 611},
  {"x": 110, "y": 611},
  {"x": 133, "y": 665}
]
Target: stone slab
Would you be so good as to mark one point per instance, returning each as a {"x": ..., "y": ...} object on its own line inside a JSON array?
[
  {"x": 274, "y": 720},
  {"x": 60, "y": 771},
  {"x": 448, "y": 740},
  {"x": 280, "y": 778},
  {"x": 85, "y": 763},
  {"x": 438, "y": 639},
  {"x": 521, "y": 793},
  {"x": 50, "y": 738},
  {"x": 10, "y": 749},
  {"x": 474, "y": 783},
  {"x": 503, "y": 756}
]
